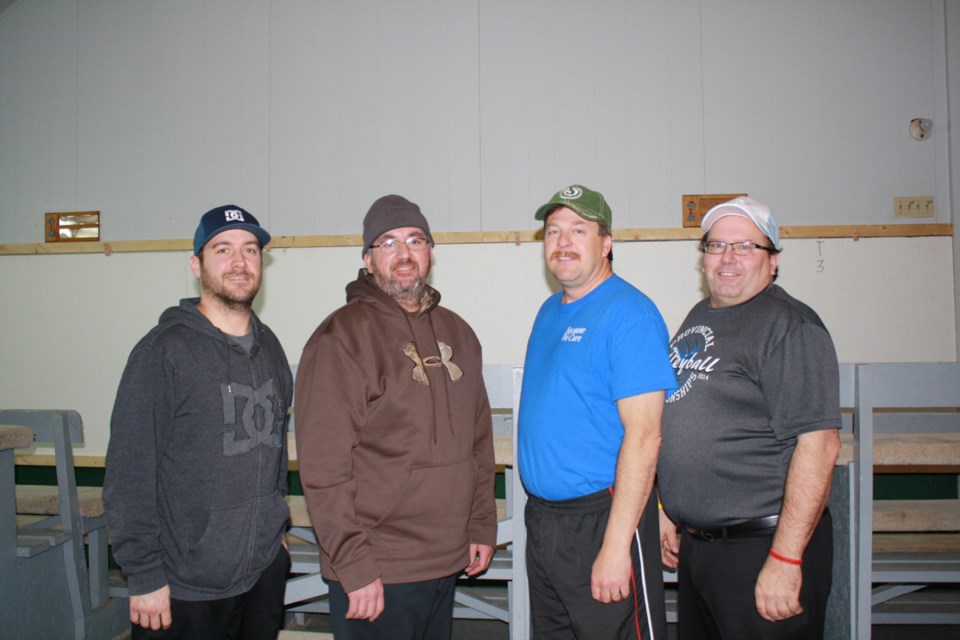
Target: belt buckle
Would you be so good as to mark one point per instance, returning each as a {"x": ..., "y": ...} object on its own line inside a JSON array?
[{"x": 701, "y": 533}]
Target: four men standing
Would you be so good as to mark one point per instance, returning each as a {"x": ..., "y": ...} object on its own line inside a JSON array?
[{"x": 396, "y": 452}]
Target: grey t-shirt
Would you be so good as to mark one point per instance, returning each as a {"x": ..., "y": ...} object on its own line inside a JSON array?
[
  {"x": 751, "y": 378},
  {"x": 245, "y": 342}
]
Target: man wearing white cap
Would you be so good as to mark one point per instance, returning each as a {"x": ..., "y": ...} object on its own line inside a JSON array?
[{"x": 749, "y": 444}]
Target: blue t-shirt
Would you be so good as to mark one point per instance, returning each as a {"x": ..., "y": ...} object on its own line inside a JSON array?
[{"x": 581, "y": 358}]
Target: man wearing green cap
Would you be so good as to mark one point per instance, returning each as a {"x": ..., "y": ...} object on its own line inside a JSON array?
[{"x": 595, "y": 376}]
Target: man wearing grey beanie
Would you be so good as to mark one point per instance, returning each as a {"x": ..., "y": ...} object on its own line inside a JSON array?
[{"x": 395, "y": 441}]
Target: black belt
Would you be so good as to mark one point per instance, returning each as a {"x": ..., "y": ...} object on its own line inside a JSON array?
[{"x": 734, "y": 530}]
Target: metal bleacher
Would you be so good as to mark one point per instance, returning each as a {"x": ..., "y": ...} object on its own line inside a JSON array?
[
  {"x": 895, "y": 561},
  {"x": 53, "y": 548},
  {"x": 906, "y": 416}
]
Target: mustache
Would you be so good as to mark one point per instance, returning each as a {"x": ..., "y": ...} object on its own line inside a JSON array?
[
  {"x": 564, "y": 254},
  {"x": 403, "y": 262}
]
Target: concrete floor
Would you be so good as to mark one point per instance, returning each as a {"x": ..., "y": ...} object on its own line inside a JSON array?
[{"x": 496, "y": 630}]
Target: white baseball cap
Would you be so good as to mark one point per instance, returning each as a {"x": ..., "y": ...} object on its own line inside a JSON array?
[{"x": 757, "y": 212}]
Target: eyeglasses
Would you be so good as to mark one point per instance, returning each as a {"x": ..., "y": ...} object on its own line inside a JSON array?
[
  {"x": 744, "y": 248},
  {"x": 392, "y": 245}
]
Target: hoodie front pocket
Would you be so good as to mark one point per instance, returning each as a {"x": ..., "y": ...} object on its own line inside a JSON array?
[
  {"x": 217, "y": 560},
  {"x": 433, "y": 508}
]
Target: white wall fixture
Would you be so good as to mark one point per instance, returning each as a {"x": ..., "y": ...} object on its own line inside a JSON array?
[{"x": 920, "y": 128}]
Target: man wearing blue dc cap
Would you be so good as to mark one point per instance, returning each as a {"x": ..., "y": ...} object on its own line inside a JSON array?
[{"x": 196, "y": 467}]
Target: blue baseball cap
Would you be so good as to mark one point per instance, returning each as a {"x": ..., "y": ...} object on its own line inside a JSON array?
[{"x": 229, "y": 216}]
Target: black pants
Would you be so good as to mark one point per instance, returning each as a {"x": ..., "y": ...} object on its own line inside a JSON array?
[
  {"x": 412, "y": 611},
  {"x": 563, "y": 539},
  {"x": 254, "y": 615},
  {"x": 716, "y": 581}
]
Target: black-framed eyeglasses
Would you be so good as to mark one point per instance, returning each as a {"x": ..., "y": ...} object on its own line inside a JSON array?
[
  {"x": 744, "y": 248},
  {"x": 391, "y": 245}
]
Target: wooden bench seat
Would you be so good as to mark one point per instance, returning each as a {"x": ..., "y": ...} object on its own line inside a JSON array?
[
  {"x": 15, "y": 437},
  {"x": 890, "y": 515},
  {"x": 44, "y": 500},
  {"x": 908, "y": 450},
  {"x": 916, "y": 542},
  {"x": 916, "y": 515}
]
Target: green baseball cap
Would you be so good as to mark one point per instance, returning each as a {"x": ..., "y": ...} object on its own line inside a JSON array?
[{"x": 586, "y": 203}]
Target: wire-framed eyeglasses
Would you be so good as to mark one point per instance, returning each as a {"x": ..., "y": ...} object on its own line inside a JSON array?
[
  {"x": 743, "y": 248},
  {"x": 392, "y": 245}
]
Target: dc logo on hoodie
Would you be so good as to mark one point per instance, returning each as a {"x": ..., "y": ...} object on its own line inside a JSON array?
[{"x": 242, "y": 432}]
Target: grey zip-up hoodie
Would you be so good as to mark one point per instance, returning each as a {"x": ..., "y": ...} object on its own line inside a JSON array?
[{"x": 196, "y": 467}]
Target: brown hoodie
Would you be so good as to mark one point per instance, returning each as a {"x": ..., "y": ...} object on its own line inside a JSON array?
[{"x": 394, "y": 440}]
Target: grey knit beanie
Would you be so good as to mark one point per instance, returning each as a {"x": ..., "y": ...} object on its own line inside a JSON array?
[{"x": 392, "y": 212}]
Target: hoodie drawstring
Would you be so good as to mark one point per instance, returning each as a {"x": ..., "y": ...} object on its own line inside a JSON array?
[{"x": 446, "y": 384}]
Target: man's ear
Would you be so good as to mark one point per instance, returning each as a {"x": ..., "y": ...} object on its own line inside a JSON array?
[
  {"x": 195, "y": 266},
  {"x": 607, "y": 245}
]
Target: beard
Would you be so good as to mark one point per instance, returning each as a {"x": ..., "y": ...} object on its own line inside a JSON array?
[
  {"x": 411, "y": 292},
  {"x": 235, "y": 300}
]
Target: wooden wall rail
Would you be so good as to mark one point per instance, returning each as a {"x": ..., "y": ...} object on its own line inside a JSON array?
[{"x": 854, "y": 232}]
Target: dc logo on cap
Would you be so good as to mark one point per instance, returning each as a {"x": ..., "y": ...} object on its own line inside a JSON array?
[
  {"x": 571, "y": 193},
  {"x": 233, "y": 215}
]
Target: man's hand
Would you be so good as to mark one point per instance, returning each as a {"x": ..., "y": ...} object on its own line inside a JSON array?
[
  {"x": 633, "y": 481},
  {"x": 669, "y": 542},
  {"x": 806, "y": 493},
  {"x": 366, "y": 603},
  {"x": 778, "y": 590},
  {"x": 610, "y": 577},
  {"x": 152, "y": 610},
  {"x": 480, "y": 555}
]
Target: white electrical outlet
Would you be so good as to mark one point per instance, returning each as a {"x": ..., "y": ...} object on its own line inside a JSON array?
[{"x": 913, "y": 207}]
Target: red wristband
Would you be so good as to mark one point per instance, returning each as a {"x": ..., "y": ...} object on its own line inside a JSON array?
[{"x": 781, "y": 558}]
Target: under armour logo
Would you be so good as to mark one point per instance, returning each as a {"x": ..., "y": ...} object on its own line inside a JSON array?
[
  {"x": 445, "y": 359},
  {"x": 242, "y": 434},
  {"x": 233, "y": 215}
]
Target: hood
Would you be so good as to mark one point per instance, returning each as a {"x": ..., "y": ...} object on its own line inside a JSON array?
[
  {"x": 188, "y": 314},
  {"x": 365, "y": 289}
]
